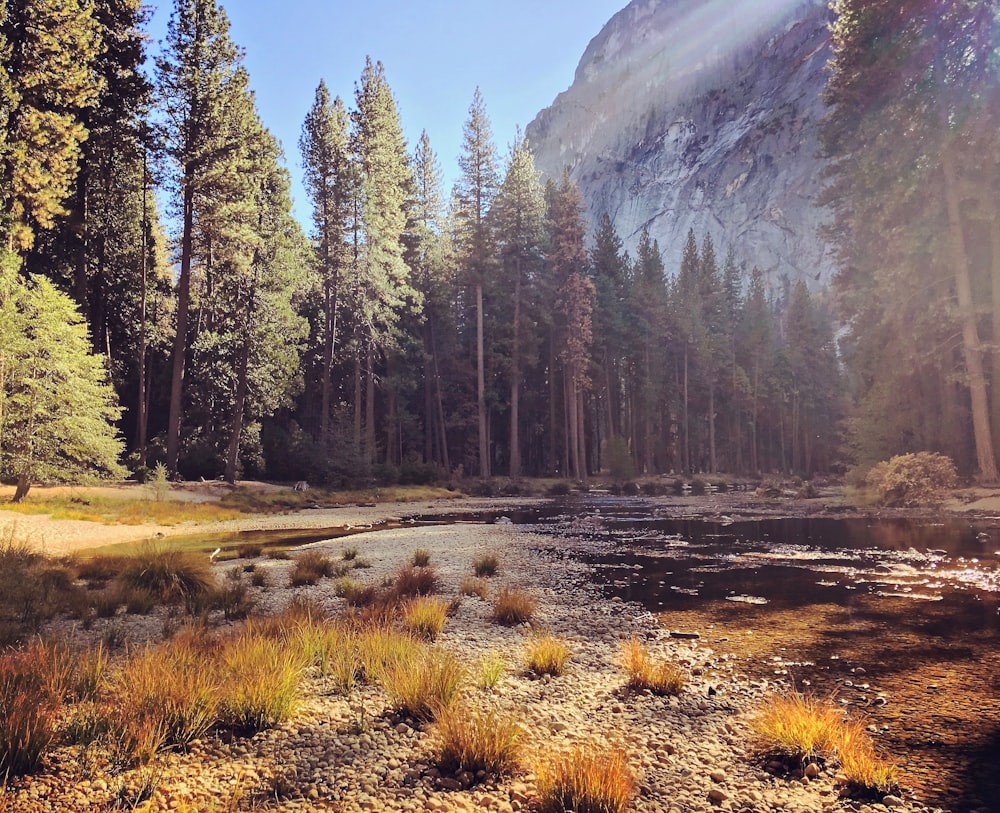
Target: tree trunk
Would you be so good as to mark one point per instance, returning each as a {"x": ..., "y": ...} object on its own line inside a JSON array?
[
  {"x": 754, "y": 453},
  {"x": 995, "y": 352},
  {"x": 484, "y": 451},
  {"x": 180, "y": 337},
  {"x": 581, "y": 454},
  {"x": 141, "y": 417},
  {"x": 515, "y": 383},
  {"x": 687, "y": 422},
  {"x": 236, "y": 430},
  {"x": 712, "y": 462},
  {"x": 443, "y": 429},
  {"x": 571, "y": 428},
  {"x": 970, "y": 333},
  {"x": 23, "y": 484},
  {"x": 80, "y": 275},
  {"x": 357, "y": 401},
  {"x": 370, "y": 406}
]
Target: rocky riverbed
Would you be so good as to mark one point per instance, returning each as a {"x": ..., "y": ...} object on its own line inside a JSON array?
[{"x": 691, "y": 753}]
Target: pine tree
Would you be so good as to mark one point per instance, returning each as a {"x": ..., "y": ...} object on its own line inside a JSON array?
[
  {"x": 48, "y": 50},
  {"x": 196, "y": 72},
  {"x": 478, "y": 185},
  {"x": 329, "y": 179},
  {"x": 56, "y": 408},
  {"x": 518, "y": 215}
]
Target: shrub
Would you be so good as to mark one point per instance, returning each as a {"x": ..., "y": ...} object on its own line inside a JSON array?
[
  {"x": 137, "y": 600},
  {"x": 415, "y": 581},
  {"x": 425, "y": 684},
  {"x": 698, "y": 486},
  {"x": 261, "y": 681},
  {"x": 547, "y": 655},
  {"x": 349, "y": 554},
  {"x": 491, "y": 669},
  {"x": 474, "y": 586},
  {"x": 424, "y": 616},
  {"x": 310, "y": 567},
  {"x": 644, "y": 672},
  {"x": 912, "y": 479},
  {"x": 474, "y": 741},
  {"x": 588, "y": 779},
  {"x": 249, "y": 550},
  {"x": 486, "y": 565},
  {"x": 233, "y": 598},
  {"x": 421, "y": 557},
  {"x": 259, "y": 578},
  {"x": 171, "y": 575},
  {"x": 29, "y": 709},
  {"x": 560, "y": 488},
  {"x": 513, "y": 606}
]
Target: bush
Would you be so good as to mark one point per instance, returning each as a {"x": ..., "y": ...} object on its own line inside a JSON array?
[
  {"x": 249, "y": 550},
  {"x": 233, "y": 598},
  {"x": 644, "y": 672},
  {"x": 547, "y": 655},
  {"x": 486, "y": 565},
  {"x": 513, "y": 606},
  {"x": 912, "y": 479},
  {"x": 560, "y": 488},
  {"x": 474, "y": 741},
  {"x": 589, "y": 779},
  {"x": 29, "y": 710}
]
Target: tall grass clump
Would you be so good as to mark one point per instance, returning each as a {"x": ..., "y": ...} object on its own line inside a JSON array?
[
  {"x": 381, "y": 649},
  {"x": 331, "y": 649},
  {"x": 648, "y": 673},
  {"x": 513, "y": 606},
  {"x": 424, "y": 684},
  {"x": 474, "y": 740},
  {"x": 421, "y": 557},
  {"x": 29, "y": 709},
  {"x": 261, "y": 681},
  {"x": 173, "y": 576},
  {"x": 163, "y": 696},
  {"x": 548, "y": 655},
  {"x": 797, "y": 727},
  {"x": 425, "y": 616},
  {"x": 861, "y": 763},
  {"x": 474, "y": 586},
  {"x": 588, "y": 779},
  {"x": 310, "y": 567},
  {"x": 415, "y": 581},
  {"x": 486, "y": 565},
  {"x": 491, "y": 669}
]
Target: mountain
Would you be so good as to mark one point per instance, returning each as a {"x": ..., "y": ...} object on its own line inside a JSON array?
[{"x": 701, "y": 114}]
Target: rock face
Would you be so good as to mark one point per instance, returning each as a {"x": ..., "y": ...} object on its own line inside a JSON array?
[{"x": 701, "y": 114}]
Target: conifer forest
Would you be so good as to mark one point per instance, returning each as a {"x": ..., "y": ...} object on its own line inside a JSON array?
[{"x": 410, "y": 333}]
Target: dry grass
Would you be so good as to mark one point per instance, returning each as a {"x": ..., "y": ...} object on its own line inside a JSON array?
[
  {"x": 415, "y": 581},
  {"x": 312, "y": 566},
  {"x": 380, "y": 649},
  {"x": 425, "y": 616},
  {"x": 861, "y": 763},
  {"x": 424, "y": 684},
  {"x": 797, "y": 727},
  {"x": 486, "y": 565},
  {"x": 548, "y": 655},
  {"x": 421, "y": 557},
  {"x": 261, "y": 681},
  {"x": 513, "y": 606},
  {"x": 171, "y": 575},
  {"x": 474, "y": 740},
  {"x": 29, "y": 709},
  {"x": 475, "y": 586},
  {"x": 589, "y": 779},
  {"x": 491, "y": 668},
  {"x": 646, "y": 672},
  {"x": 331, "y": 649}
]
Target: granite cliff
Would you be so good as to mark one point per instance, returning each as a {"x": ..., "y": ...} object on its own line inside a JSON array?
[{"x": 701, "y": 114}]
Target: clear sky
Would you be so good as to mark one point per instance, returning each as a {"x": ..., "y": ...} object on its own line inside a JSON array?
[{"x": 521, "y": 54}]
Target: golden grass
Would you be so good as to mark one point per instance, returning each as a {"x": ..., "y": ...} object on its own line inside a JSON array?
[
  {"x": 123, "y": 510},
  {"x": 486, "y": 565},
  {"x": 29, "y": 708},
  {"x": 421, "y": 557},
  {"x": 491, "y": 668},
  {"x": 593, "y": 778},
  {"x": 801, "y": 728},
  {"x": 474, "y": 740},
  {"x": 253, "y": 501},
  {"x": 513, "y": 606},
  {"x": 415, "y": 581},
  {"x": 547, "y": 655},
  {"x": 797, "y": 727},
  {"x": 474, "y": 586},
  {"x": 381, "y": 648},
  {"x": 424, "y": 684},
  {"x": 646, "y": 672},
  {"x": 425, "y": 616}
]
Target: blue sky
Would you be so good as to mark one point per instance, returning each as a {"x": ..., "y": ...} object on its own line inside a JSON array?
[{"x": 520, "y": 53}]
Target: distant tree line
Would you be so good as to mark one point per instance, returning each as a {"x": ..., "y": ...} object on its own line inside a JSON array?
[{"x": 414, "y": 333}]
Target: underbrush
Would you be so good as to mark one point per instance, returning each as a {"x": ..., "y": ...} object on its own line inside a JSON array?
[{"x": 486, "y": 565}]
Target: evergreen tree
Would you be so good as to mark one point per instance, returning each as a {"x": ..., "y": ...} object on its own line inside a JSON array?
[
  {"x": 476, "y": 188},
  {"x": 518, "y": 215},
  {"x": 56, "y": 408},
  {"x": 199, "y": 68},
  {"x": 329, "y": 179}
]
